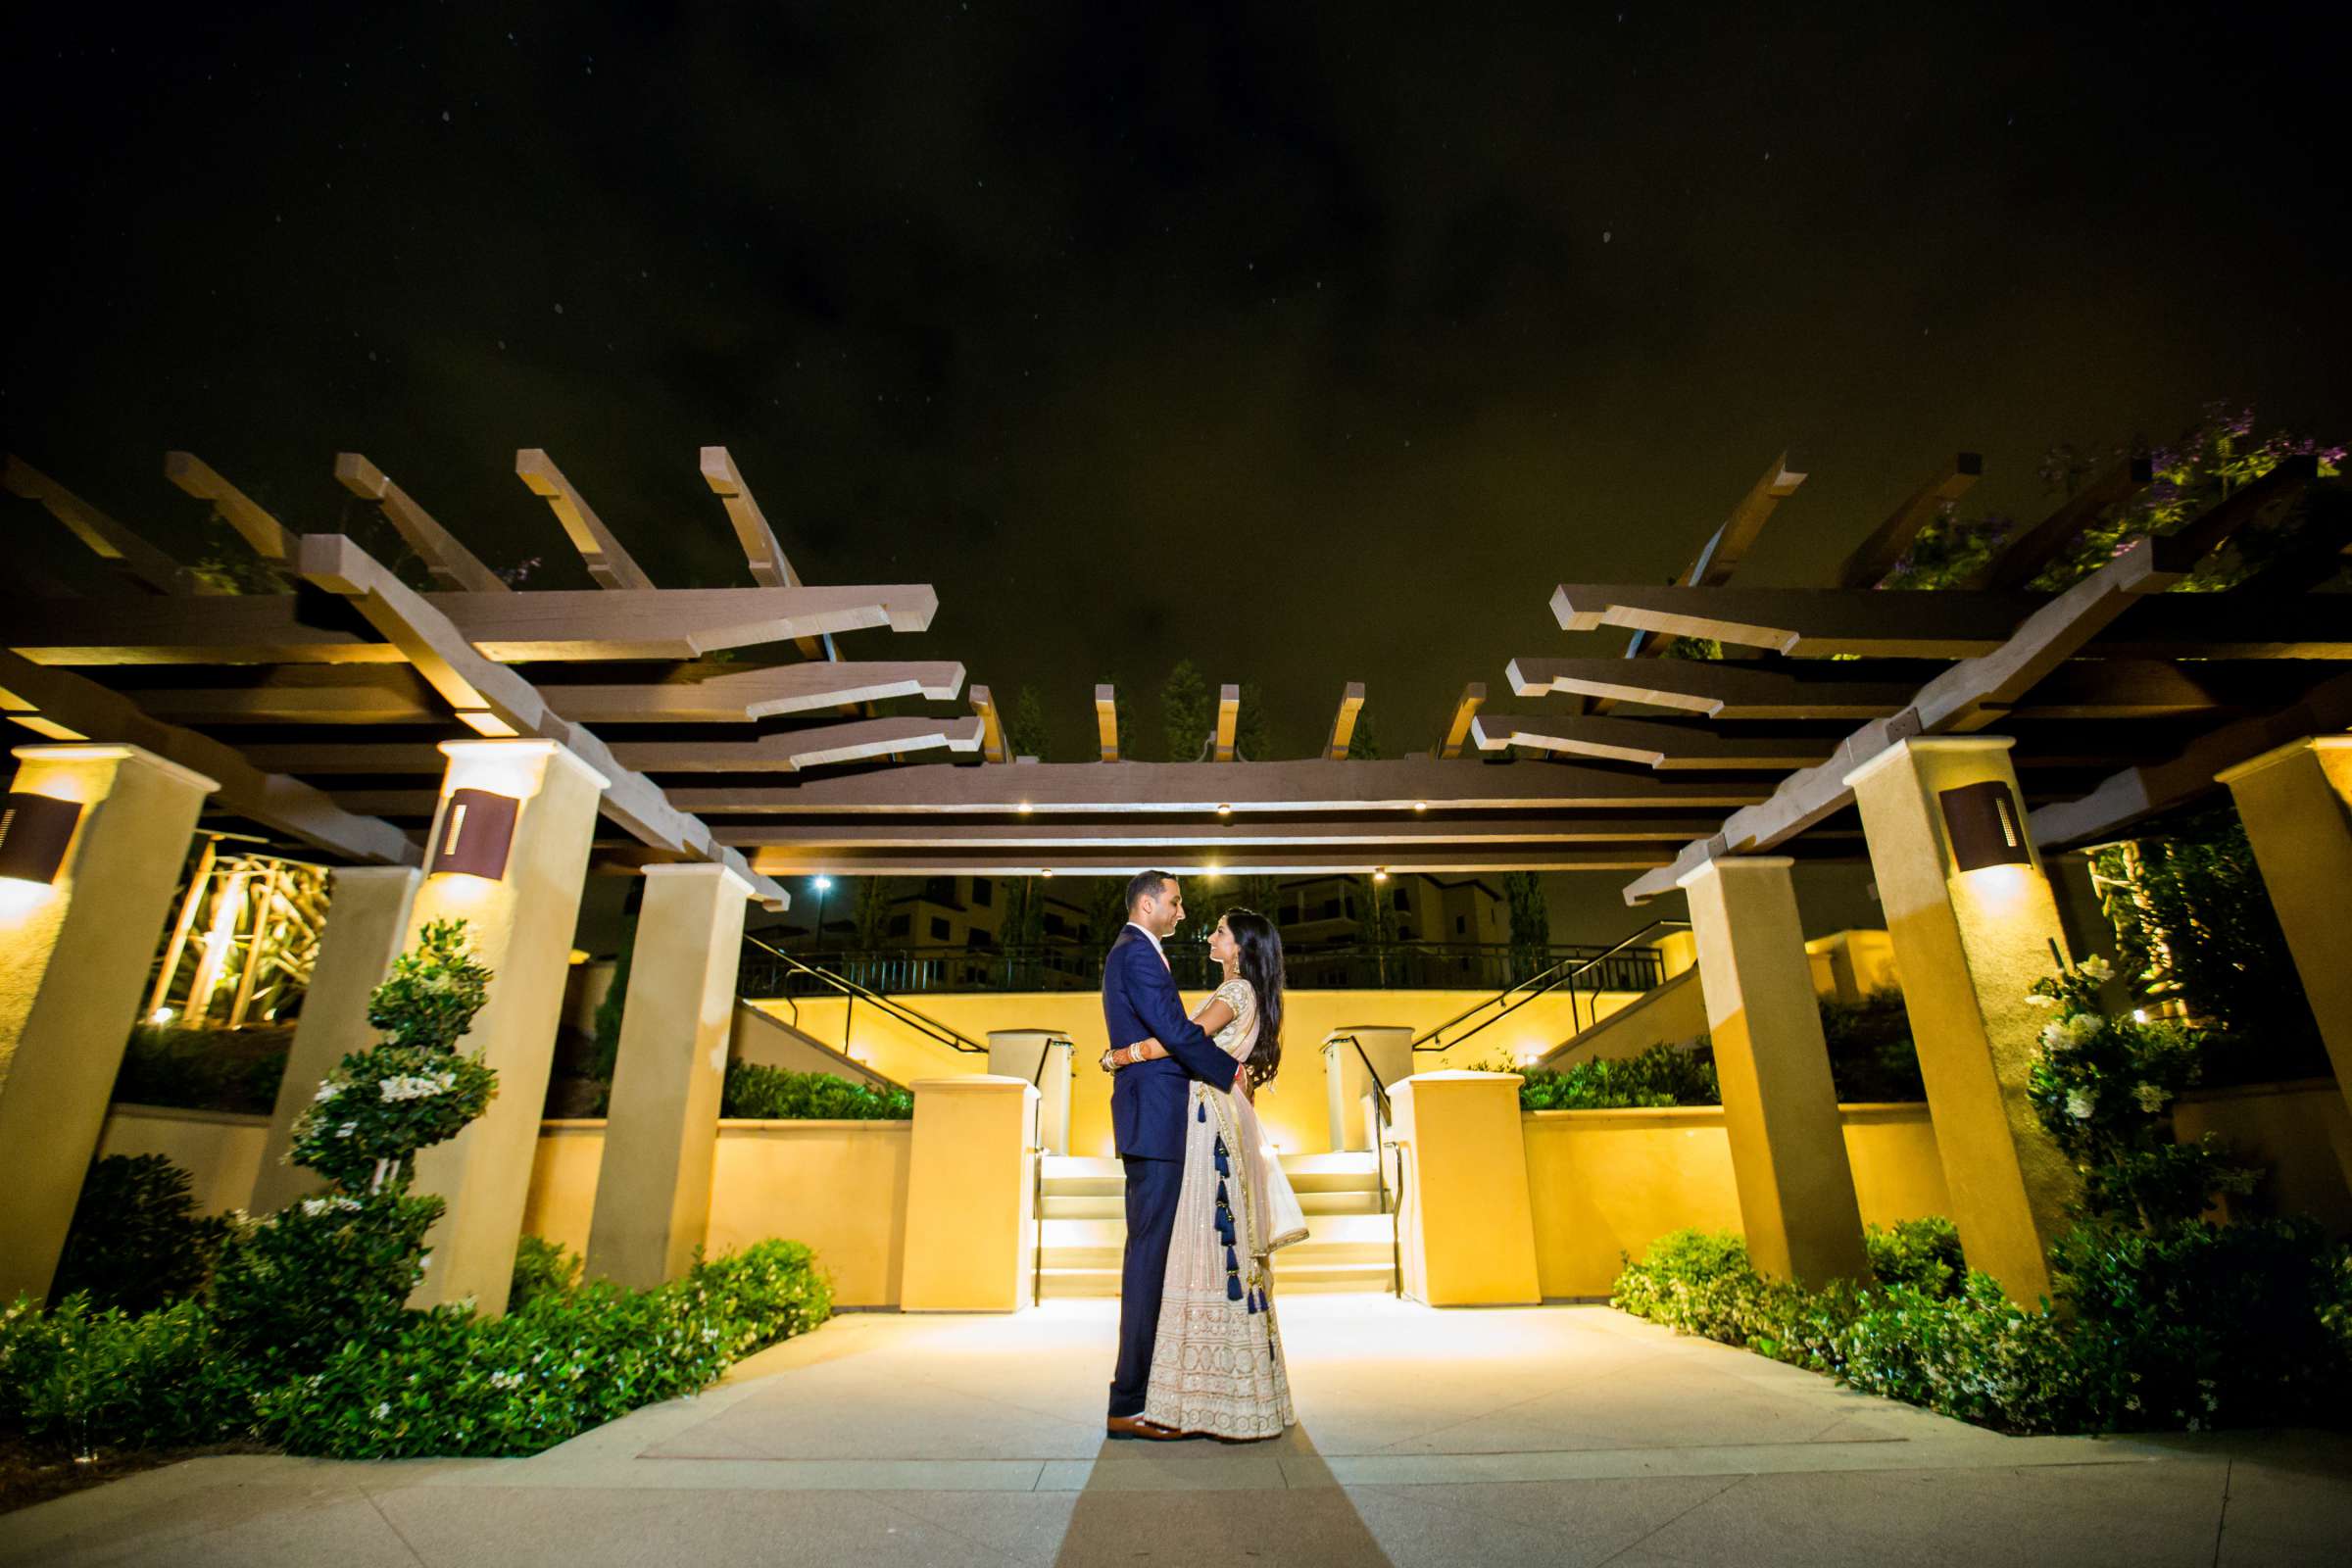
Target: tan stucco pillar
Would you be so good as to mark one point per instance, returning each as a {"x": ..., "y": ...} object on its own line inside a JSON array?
[
  {"x": 75, "y": 954},
  {"x": 366, "y": 921},
  {"x": 1797, "y": 1191},
  {"x": 520, "y": 926},
  {"x": 1465, "y": 1224},
  {"x": 652, "y": 1192},
  {"x": 1970, "y": 946},
  {"x": 2296, "y": 803},
  {"x": 971, "y": 1220}
]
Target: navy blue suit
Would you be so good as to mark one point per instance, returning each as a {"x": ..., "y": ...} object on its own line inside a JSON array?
[{"x": 1147, "y": 1105}]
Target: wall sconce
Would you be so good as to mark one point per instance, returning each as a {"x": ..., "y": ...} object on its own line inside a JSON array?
[
  {"x": 1985, "y": 826},
  {"x": 34, "y": 830},
  {"x": 476, "y": 831}
]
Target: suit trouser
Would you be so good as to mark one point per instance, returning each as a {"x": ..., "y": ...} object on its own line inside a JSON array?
[{"x": 1152, "y": 1188}]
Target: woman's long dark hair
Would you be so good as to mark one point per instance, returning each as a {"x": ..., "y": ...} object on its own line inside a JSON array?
[{"x": 1260, "y": 949}]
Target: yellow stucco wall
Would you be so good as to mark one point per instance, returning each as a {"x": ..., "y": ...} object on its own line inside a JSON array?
[
  {"x": 220, "y": 1150},
  {"x": 1293, "y": 1106},
  {"x": 1605, "y": 1183},
  {"x": 2300, "y": 1134},
  {"x": 838, "y": 1186}
]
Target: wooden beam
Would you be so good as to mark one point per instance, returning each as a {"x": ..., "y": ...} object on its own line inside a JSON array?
[
  {"x": 991, "y": 727},
  {"x": 269, "y": 539},
  {"x": 1669, "y": 747},
  {"x": 771, "y": 568},
  {"x": 1343, "y": 726},
  {"x": 2130, "y": 797},
  {"x": 284, "y": 805},
  {"x": 133, "y": 556},
  {"x": 452, "y": 565},
  {"x": 1106, "y": 721},
  {"x": 1875, "y": 557},
  {"x": 859, "y": 741},
  {"x": 1465, "y": 708},
  {"x": 916, "y": 861},
  {"x": 436, "y": 645},
  {"x": 748, "y": 695},
  {"x": 1718, "y": 690},
  {"x": 2023, "y": 558},
  {"x": 1229, "y": 717},
  {"x": 606, "y": 559},
  {"x": 1261, "y": 829},
  {"x": 1729, "y": 545},
  {"x": 1957, "y": 701},
  {"x": 554, "y": 627}
]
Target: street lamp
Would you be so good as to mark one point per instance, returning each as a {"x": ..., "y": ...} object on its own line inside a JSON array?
[{"x": 823, "y": 886}]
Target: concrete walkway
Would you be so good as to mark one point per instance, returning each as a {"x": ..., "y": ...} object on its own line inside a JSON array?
[{"x": 1560, "y": 1435}]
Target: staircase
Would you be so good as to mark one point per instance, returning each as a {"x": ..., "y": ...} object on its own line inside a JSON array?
[{"x": 1350, "y": 1244}]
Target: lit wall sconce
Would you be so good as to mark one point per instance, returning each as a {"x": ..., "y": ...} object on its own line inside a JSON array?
[
  {"x": 34, "y": 830},
  {"x": 476, "y": 832},
  {"x": 1985, "y": 826}
]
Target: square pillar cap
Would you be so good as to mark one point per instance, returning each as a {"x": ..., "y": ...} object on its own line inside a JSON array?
[
  {"x": 975, "y": 1083},
  {"x": 1717, "y": 864},
  {"x": 78, "y": 752},
  {"x": 1929, "y": 742},
  {"x": 2254, "y": 765},
  {"x": 1461, "y": 1075},
  {"x": 524, "y": 746},
  {"x": 705, "y": 868}
]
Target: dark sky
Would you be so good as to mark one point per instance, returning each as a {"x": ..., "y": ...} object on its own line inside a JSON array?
[{"x": 1313, "y": 348}]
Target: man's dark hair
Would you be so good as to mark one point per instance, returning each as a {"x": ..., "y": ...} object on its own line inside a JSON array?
[{"x": 1144, "y": 885}]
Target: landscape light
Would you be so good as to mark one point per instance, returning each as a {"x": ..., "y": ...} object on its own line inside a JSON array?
[
  {"x": 476, "y": 832},
  {"x": 34, "y": 830},
  {"x": 824, "y": 884},
  {"x": 1381, "y": 876},
  {"x": 1984, "y": 827}
]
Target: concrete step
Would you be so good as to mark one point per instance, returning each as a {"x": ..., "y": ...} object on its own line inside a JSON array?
[
  {"x": 1293, "y": 1276},
  {"x": 1065, "y": 1205}
]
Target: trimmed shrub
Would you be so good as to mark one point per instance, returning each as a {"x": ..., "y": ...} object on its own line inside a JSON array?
[
  {"x": 323, "y": 1272},
  {"x": 1871, "y": 1054},
  {"x": 754, "y": 1093},
  {"x": 1918, "y": 1254},
  {"x": 542, "y": 1268},
  {"x": 136, "y": 1240},
  {"x": 204, "y": 1070},
  {"x": 84, "y": 1377},
  {"x": 1663, "y": 1075}
]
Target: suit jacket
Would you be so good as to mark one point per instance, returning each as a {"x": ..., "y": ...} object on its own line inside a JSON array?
[{"x": 1147, "y": 1100}]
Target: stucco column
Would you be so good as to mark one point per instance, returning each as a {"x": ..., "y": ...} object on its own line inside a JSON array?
[
  {"x": 653, "y": 1193},
  {"x": 366, "y": 920},
  {"x": 1043, "y": 1056},
  {"x": 2296, "y": 803},
  {"x": 75, "y": 954},
  {"x": 520, "y": 926},
  {"x": 1797, "y": 1191},
  {"x": 1970, "y": 944},
  {"x": 1465, "y": 1223},
  {"x": 971, "y": 1217}
]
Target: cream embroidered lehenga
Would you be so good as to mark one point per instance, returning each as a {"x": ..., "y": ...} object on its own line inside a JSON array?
[{"x": 1216, "y": 1365}]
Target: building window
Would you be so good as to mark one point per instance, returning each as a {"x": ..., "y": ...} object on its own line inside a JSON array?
[
  {"x": 941, "y": 931},
  {"x": 1397, "y": 900},
  {"x": 1460, "y": 925},
  {"x": 1053, "y": 924},
  {"x": 1331, "y": 909},
  {"x": 939, "y": 889},
  {"x": 902, "y": 926},
  {"x": 984, "y": 892}
]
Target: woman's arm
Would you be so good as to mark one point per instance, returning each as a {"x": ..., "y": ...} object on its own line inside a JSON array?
[{"x": 1214, "y": 1014}]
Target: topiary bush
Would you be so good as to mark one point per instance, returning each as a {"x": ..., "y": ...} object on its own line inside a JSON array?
[
  {"x": 1663, "y": 1075},
  {"x": 204, "y": 1070},
  {"x": 752, "y": 1093},
  {"x": 138, "y": 1242},
  {"x": 1917, "y": 1254},
  {"x": 542, "y": 1268}
]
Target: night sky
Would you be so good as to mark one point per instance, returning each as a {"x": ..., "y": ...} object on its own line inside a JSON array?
[{"x": 1310, "y": 348}]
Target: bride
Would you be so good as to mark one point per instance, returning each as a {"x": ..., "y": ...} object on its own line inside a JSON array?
[{"x": 1216, "y": 1364}]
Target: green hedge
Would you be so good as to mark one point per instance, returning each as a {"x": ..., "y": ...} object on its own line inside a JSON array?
[
  {"x": 1663, "y": 1075},
  {"x": 204, "y": 1070},
  {"x": 755, "y": 1093},
  {"x": 2207, "y": 1325}
]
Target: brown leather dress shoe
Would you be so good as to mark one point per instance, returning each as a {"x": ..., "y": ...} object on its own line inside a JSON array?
[{"x": 1132, "y": 1427}]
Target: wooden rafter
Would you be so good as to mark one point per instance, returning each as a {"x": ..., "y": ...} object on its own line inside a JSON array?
[
  {"x": 992, "y": 728},
  {"x": 2023, "y": 558},
  {"x": 1229, "y": 717},
  {"x": 1235, "y": 860},
  {"x": 855, "y": 741},
  {"x": 748, "y": 695},
  {"x": 1645, "y": 743},
  {"x": 268, "y": 538},
  {"x": 1106, "y": 721},
  {"x": 1875, "y": 557},
  {"x": 1731, "y": 540},
  {"x": 1465, "y": 708},
  {"x": 454, "y": 565},
  {"x": 771, "y": 566},
  {"x": 1718, "y": 690},
  {"x": 285, "y": 804},
  {"x": 119, "y": 547},
  {"x": 608, "y": 562},
  {"x": 1258, "y": 828},
  {"x": 1343, "y": 724}
]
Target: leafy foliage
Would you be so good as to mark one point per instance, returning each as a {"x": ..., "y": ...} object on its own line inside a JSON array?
[
  {"x": 382, "y": 1105},
  {"x": 1917, "y": 1254},
  {"x": 1188, "y": 713},
  {"x": 137, "y": 1241},
  {"x": 1871, "y": 1053},
  {"x": 1663, "y": 1075},
  {"x": 323, "y": 1271},
  {"x": 446, "y": 1383},
  {"x": 1027, "y": 733},
  {"x": 433, "y": 991},
  {"x": 542, "y": 1268},
  {"x": 604, "y": 1055},
  {"x": 87, "y": 1376},
  {"x": 755, "y": 1093},
  {"x": 204, "y": 1070}
]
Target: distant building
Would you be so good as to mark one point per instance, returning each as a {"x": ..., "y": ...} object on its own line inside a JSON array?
[{"x": 1330, "y": 910}]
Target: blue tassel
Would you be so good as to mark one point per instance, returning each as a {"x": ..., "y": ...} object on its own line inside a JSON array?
[
  {"x": 1257, "y": 1300},
  {"x": 1225, "y": 1228},
  {"x": 1221, "y": 1198},
  {"x": 1223, "y": 1169},
  {"x": 1200, "y": 1111},
  {"x": 1232, "y": 1265},
  {"x": 1232, "y": 1287}
]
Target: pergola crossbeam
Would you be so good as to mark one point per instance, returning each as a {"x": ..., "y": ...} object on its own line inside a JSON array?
[
  {"x": 1343, "y": 724},
  {"x": 268, "y": 538},
  {"x": 1106, "y": 721},
  {"x": 1229, "y": 717},
  {"x": 120, "y": 548},
  {"x": 454, "y": 565},
  {"x": 1465, "y": 710},
  {"x": 1877, "y": 556},
  {"x": 992, "y": 726},
  {"x": 608, "y": 562},
  {"x": 771, "y": 566}
]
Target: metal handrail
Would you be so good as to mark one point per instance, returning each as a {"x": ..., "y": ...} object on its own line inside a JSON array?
[
  {"x": 1564, "y": 973},
  {"x": 1383, "y": 1120},
  {"x": 922, "y": 1023}
]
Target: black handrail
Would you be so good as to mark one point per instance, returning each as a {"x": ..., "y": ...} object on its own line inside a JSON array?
[
  {"x": 1382, "y": 1120},
  {"x": 921, "y": 1024},
  {"x": 1564, "y": 973}
]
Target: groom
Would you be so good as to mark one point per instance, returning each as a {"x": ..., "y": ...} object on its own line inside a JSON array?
[{"x": 1147, "y": 1103}]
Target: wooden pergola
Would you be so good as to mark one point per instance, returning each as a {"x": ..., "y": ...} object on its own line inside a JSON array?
[{"x": 734, "y": 731}]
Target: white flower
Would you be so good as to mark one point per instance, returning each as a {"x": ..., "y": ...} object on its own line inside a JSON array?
[
  {"x": 2096, "y": 970},
  {"x": 2079, "y": 1102},
  {"x": 326, "y": 1091},
  {"x": 506, "y": 1380},
  {"x": 424, "y": 1262},
  {"x": 2151, "y": 1097},
  {"x": 2034, "y": 998},
  {"x": 347, "y": 1129},
  {"x": 2054, "y": 1036},
  {"x": 383, "y": 1410},
  {"x": 316, "y": 1206},
  {"x": 416, "y": 1086}
]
